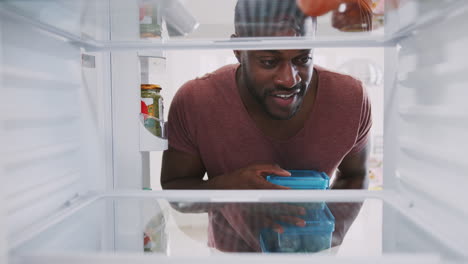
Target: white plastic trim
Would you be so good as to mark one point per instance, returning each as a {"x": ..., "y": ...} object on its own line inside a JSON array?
[
  {"x": 150, "y": 142},
  {"x": 3, "y": 227},
  {"x": 256, "y": 195},
  {"x": 233, "y": 258}
]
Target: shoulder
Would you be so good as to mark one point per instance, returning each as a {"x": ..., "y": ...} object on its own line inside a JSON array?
[
  {"x": 338, "y": 79},
  {"x": 208, "y": 84},
  {"x": 211, "y": 91},
  {"x": 338, "y": 85}
]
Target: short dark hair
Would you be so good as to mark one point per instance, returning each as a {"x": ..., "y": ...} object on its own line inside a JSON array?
[{"x": 265, "y": 17}]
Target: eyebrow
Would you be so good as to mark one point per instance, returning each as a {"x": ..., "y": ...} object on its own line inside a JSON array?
[{"x": 278, "y": 52}]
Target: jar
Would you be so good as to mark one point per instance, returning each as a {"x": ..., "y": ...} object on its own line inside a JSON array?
[
  {"x": 152, "y": 107},
  {"x": 355, "y": 16},
  {"x": 150, "y": 20}
]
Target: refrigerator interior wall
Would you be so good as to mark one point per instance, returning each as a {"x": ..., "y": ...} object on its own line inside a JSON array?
[
  {"x": 50, "y": 117},
  {"x": 3, "y": 240},
  {"x": 427, "y": 124},
  {"x": 53, "y": 123}
]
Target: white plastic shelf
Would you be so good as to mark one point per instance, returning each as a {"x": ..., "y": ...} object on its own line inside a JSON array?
[
  {"x": 402, "y": 22},
  {"x": 400, "y": 238}
]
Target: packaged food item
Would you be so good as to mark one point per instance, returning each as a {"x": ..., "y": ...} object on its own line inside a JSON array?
[
  {"x": 152, "y": 107},
  {"x": 150, "y": 19}
]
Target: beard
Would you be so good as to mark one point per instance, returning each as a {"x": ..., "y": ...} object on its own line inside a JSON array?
[{"x": 260, "y": 98}]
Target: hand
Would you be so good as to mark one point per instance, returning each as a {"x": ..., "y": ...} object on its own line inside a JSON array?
[
  {"x": 268, "y": 215},
  {"x": 251, "y": 177}
]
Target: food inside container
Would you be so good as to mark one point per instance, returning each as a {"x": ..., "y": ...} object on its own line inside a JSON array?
[{"x": 315, "y": 236}]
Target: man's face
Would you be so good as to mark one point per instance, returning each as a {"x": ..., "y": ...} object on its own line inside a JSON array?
[{"x": 277, "y": 79}]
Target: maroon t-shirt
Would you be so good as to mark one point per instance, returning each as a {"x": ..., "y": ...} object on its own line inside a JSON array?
[{"x": 207, "y": 118}]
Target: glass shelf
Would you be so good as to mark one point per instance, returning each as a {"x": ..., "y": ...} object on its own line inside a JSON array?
[
  {"x": 115, "y": 24},
  {"x": 178, "y": 226}
]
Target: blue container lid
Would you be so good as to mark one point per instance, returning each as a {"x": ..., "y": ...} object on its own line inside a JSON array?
[{"x": 302, "y": 179}]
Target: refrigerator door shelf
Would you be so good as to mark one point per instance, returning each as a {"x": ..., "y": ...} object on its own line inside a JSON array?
[
  {"x": 114, "y": 228},
  {"x": 150, "y": 142}
]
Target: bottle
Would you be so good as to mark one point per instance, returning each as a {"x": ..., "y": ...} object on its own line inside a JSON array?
[{"x": 152, "y": 108}]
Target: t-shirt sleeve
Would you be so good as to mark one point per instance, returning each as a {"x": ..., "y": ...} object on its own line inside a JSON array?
[
  {"x": 181, "y": 126},
  {"x": 365, "y": 125}
]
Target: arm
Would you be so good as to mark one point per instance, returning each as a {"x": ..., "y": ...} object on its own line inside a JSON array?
[
  {"x": 182, "y": 171},
  {"x": 174, "y": 175},
  {"x": 185, "y": 171},
  {"x": 351, "y": 174},
  {"x": 182, "y": 165},
  {"x": 190, "y": 174}
]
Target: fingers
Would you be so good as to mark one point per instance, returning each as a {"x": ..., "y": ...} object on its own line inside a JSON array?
[
  {"x": 268, "y": 169},
  {"x": 272, "y": 223},
  {"x": 290, "y": 209},
  {"x": 264, "y": 170},
  {"x": 292, "y": 220},
  {"x": 274, "y": 226}
]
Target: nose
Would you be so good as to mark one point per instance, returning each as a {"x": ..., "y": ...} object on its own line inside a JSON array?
[{"x": 287, "y": 75}]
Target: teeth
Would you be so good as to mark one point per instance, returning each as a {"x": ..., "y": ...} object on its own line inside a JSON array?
[{"x": 284, "y": 96}]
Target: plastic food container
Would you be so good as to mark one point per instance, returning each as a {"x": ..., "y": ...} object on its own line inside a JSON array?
[
  {"x": 316, "y": 235},
  {"x": 302, "y": 179}
]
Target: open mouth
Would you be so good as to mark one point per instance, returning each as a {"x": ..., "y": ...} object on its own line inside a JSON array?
[
  {"x": 285, "y": 100},
  {"x": 285, "y": 96}
]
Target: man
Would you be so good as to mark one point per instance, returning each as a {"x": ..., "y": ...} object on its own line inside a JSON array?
[{"x": 272, "y": 111}]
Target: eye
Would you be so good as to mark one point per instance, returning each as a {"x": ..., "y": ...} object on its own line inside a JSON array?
[
  {"x": 268, "y": 63},
  {"x": 303, "y": 60}
]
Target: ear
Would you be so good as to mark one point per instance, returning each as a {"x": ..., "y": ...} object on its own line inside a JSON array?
[
  {"x": 238, "y": 55},
  {"x": 236, "y": 52}
]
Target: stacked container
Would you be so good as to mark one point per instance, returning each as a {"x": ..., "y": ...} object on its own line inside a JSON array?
[{"x": 316, "y": 235}]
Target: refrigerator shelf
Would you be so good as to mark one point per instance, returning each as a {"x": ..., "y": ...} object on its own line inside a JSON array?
[
  {"x": 441, "y": 114},
  {"x": 88, "y": 24},
  {"x": 111, "y": 226}
]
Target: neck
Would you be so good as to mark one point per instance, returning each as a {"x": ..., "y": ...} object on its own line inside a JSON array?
[{"x": 253, "y": 107}]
